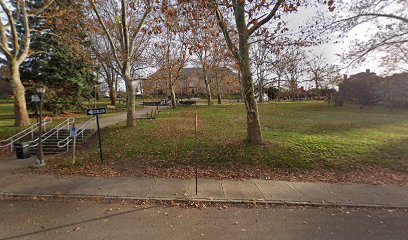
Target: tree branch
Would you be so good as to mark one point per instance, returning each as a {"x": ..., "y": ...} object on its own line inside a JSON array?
[
  {"x": 373, "y": 15},
  {"x": 139, "y": 27},
  {"x": 27, "y": 35},
  {"x": 223, "y": 26},
  {"x": 266, "y": 19},
  {"x": 105, "y": 29},
  {"x": 13, "y": 28}
]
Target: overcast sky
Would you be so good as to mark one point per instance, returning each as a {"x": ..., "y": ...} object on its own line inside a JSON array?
[{"x": 331, "y": 50}]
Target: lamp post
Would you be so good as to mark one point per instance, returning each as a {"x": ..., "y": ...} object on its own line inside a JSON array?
[{"x": 39, "y": 162}]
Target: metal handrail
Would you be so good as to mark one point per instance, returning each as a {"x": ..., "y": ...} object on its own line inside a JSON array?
[
  {"x": 25, "y": 132},
  {"x": 53, "y": 131},
  {"x": 81, "y": 130}
]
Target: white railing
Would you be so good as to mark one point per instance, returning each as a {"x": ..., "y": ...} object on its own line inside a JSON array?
[
  {"x": 9, "y": 141},
  {"x": 87, "y": 125},
  {"x": 65, "y": 124}
]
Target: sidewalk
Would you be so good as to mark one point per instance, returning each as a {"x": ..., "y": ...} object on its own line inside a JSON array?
[
  {"x": 254, "y": 190},
  {"x": 108, "y": 121}
]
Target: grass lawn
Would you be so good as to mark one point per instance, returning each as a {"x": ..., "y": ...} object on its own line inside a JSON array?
[{"x": 300, "y": 135}]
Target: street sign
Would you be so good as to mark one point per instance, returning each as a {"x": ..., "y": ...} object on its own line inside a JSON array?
[
  {"x": 35, "y": 98},
  {"x": 73, "y": 132},
  {"x": 96, "y": 111}
]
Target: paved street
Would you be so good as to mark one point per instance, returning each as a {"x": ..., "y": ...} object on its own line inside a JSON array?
[{"x": 77, "y": 219}]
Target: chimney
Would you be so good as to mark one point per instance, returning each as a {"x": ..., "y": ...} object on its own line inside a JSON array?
[
  {"x": 345, "y": 77},
  {"x": 367, "y": 70}
]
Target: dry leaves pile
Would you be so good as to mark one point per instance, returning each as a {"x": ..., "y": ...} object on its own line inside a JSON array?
[{"x": 367, "y": 175}]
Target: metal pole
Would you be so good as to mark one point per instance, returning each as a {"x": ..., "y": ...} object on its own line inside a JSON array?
[
  {"x": 36, "y": 111},
  {"x": 196, "y": 162},
  {"x": 73, "y": 145},
  {"x": 99, "y": 136},
  {"x": 40, "y": 154},
  {"x": 95, "y": 96}
]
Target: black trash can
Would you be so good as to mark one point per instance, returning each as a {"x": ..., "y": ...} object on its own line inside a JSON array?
[{"x": 22, "y": 150}]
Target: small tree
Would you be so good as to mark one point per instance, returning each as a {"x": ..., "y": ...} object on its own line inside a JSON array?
[
  {"x": 294, "y": 59},
  {"x": 171, "y": 47}
]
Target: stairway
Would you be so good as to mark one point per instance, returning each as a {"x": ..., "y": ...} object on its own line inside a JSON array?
[{"x": 50, "y": 145}]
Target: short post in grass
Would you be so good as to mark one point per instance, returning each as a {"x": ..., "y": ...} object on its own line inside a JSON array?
[{"x": 196, "y": 146}]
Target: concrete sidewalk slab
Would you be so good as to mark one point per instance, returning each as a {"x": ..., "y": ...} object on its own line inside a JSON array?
[
  {"x": 273, "y": 190},
  {"x": 367, "y": 194},
  {"x": 241, "y": 190},
  {"x": 97, "y": 186},
  {"x": 169, "y": 188},
  {"x": 134, "y": 187},
  {"x": 208, "y": 190},
  {"x": 314, "y": 192}
]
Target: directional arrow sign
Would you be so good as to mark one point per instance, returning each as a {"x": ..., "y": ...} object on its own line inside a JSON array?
[{"x": 96, "y": 111}]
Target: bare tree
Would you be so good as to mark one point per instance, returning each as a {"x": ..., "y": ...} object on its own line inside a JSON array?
[
  {"x": 123, "y": 28},
  {"x": 320, "y": 72},
  {"x": 171, "y": 47},
  {"x": 294, "y": 61},
  {"x": 247, "y": 23},
  {"x": 205, "y": 39},
  {"x": 15, "y": 39},
  {"x": 220, "y": 60}
]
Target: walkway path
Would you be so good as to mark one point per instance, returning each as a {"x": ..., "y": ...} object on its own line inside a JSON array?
[{"x": 108, "y": 121}]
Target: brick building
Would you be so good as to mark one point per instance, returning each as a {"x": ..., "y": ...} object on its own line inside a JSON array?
[{"x": 191, "y": 83}]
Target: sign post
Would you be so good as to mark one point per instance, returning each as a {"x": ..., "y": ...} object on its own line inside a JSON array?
[
  {"x": 73, "y": 133},
  {"x": 196, "y": 143},
  {"x": 96, "y": 112},
  {"x": 36, "y": 100}
]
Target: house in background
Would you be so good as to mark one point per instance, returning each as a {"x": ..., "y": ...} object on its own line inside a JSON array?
[
  {"x": 191, "y": 83},
  {"x": 367, "y": 88}
]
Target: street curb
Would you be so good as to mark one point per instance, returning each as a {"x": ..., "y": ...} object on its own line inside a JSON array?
[{"x": 5, "y": 195}]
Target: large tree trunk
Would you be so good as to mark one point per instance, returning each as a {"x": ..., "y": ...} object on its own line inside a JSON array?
[
  {"x": 20, "y": 107},
  {"x": 131, "y": 101},
  {"x": 317, "y": 84},
  {"x": 112, "y": 96},
  {"x": 260, "y": 84},
  {"x": 207, "y": 87},
  {"x": 254, "y": 135},
  {"x": 279, "y": 88},
  {"x": 261, "y": 91},
  {"x": 217, "y": 81},
  {"x": 173, "y": 96},
  {"x": 112, "y": 87}
]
